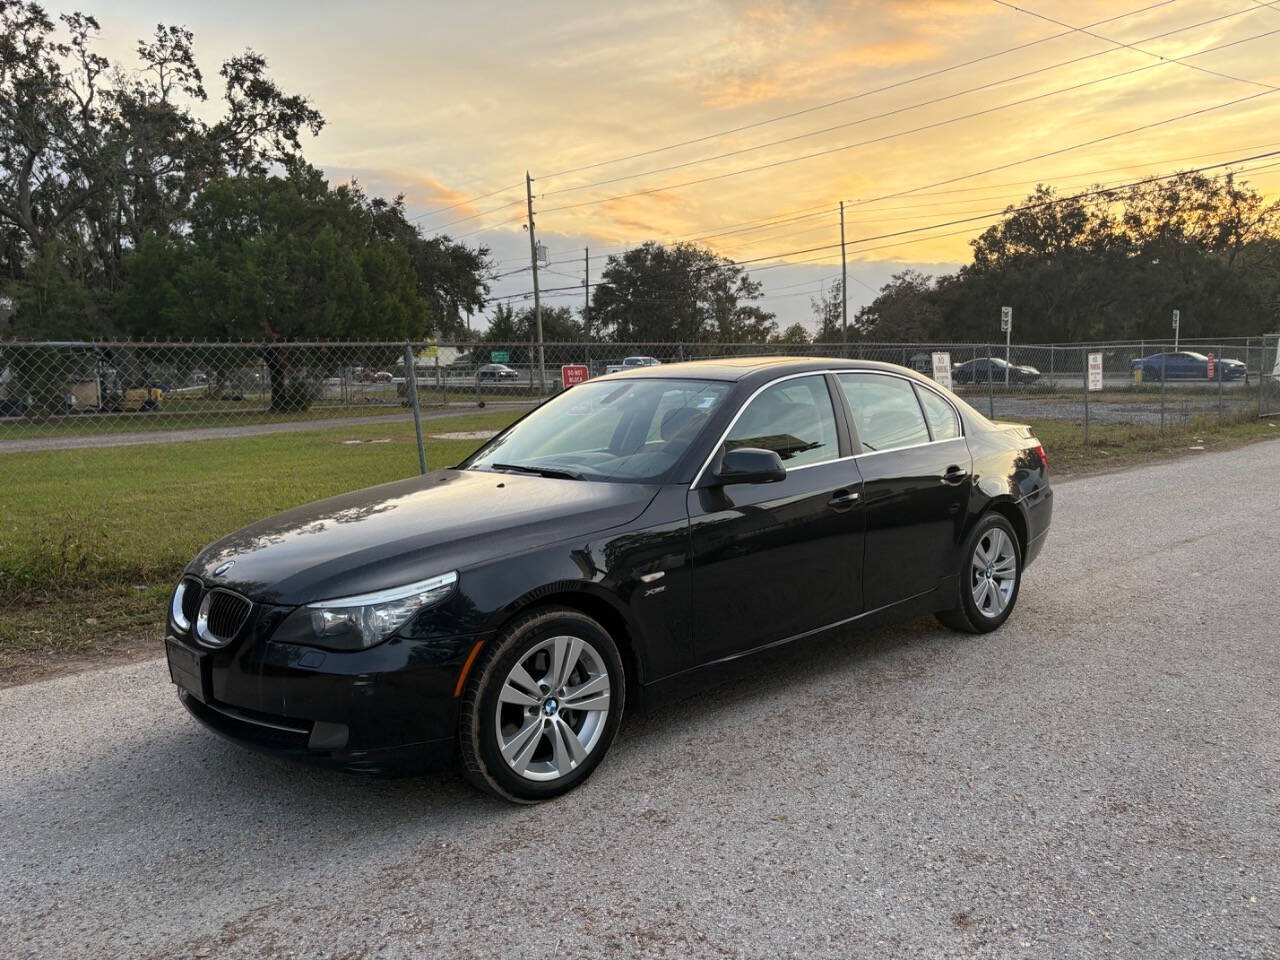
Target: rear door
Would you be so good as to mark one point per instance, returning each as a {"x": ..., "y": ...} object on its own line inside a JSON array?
[
  {"x": 916, "y": 481},
  {"x": 774, "y": 560}
]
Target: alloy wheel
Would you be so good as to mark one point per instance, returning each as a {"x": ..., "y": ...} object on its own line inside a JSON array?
[
  {"x": 552, "y": 708},
  {"x": 994, "y": 572}
]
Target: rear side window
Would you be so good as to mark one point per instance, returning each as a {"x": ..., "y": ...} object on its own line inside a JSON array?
[
  {"x": 942, "y": 419},
  {"x": 885, "y": 411},
  {"x": 794, "y": 419}
]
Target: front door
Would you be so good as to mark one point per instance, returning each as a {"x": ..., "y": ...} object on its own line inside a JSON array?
[{"x": 774, "y": 560}]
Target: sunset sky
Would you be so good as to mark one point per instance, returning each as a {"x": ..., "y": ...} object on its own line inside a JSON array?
[{"x": 449, "y": 102}]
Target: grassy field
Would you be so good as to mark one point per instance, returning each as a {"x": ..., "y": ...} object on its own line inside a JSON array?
[{"x": 92, "y": 540}]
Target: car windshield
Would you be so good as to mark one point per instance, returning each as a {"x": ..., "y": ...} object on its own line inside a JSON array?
[{"x": 625, "y": 430}]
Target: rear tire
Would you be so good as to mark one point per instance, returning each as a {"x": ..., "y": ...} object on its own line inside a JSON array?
[
  {"x": 542, "y": 707},
  {"x": 989, "y": 578}
]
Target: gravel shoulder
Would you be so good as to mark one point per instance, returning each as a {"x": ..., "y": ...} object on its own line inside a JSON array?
[{"x": 1101, "y": 777}]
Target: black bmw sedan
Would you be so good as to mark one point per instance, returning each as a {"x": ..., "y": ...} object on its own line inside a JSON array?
[{"x": 628, "y": 534}]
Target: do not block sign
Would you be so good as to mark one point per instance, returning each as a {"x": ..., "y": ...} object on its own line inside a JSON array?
[{"x": 571, "y": 373}]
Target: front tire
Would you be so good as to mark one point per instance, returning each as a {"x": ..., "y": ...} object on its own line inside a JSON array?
[
  {"x": 541, "y": 710},
  {"x": 989, "y": 577}
]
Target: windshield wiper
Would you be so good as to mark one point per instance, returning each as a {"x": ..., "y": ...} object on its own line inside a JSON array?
[{"x": 551, "y": 472}]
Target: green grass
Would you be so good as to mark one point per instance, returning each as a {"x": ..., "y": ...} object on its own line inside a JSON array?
[{"x": 1114, "y": 445}]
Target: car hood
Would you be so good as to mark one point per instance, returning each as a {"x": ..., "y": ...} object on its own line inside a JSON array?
[{"x": 409, "y": 530}]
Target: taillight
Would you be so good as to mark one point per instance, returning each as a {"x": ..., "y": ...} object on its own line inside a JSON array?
[{"x": 1044, "y": 460}]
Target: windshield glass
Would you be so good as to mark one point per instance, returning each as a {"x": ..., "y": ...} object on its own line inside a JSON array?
[{"x": 628, "y": 430}]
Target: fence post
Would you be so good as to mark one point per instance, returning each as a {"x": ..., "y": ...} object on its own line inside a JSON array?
[
  {"x": 1053, "y": 381},
  {"x": 1262, "y": 370},
  {"x": 1084, "y": 356},
  {"x": 1164, "y": 355},
  {"x": 1218, "y": 369},
  {"x": 991, "y": 390},
  {"x": 411, "y": 382}
]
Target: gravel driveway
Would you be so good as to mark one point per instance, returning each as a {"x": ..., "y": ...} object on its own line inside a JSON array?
[{"x": 1099, "y": 778}]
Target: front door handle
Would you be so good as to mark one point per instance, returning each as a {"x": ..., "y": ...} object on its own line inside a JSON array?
[
  {"x": 843, "y": 498},
  {"x": 955, "y": 476}
]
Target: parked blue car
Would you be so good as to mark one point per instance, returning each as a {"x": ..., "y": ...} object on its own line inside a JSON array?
[{"x": 1186, "y": 365}]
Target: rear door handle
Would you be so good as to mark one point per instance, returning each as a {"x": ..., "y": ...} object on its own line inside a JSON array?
[
  {"x": 955, "y": 476},
  {"x": 843, "y": 498}
]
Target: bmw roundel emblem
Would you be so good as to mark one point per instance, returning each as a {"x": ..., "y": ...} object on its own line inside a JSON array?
[{"x": 222, "y": 568}]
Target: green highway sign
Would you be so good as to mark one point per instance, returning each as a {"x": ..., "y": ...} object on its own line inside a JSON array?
[{"x": 499, "y": 356}]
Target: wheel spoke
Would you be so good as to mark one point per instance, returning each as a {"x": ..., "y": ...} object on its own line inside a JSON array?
[
  {"x": 566, "y": 748},
  {"x": 980, "y": 557},
  {"x": 521, "y": 679},
  {"x": 1005, "y": 567},
  {"x": 592, "y": 695},
  {"x": 518, "y": 751},
  {"x": 513, "y": 694},
  {"x": 980, "y": 592},
  {"x": 999, "y": 544},
  {"x": 564, "y": 659}
]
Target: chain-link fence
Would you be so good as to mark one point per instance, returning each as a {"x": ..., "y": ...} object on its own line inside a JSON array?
[{"x": 86, "y": 389}]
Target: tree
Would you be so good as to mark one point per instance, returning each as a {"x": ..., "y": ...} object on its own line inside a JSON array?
[
  {"x": 451, "y": 275},
  {"x": 903, "y": 311},
  {"x": 276, "y": 259},
  {"x": 794, "y": 335},
  {"x": 95, "y": 157},
  {"x": 519, "y": 329},
  {"x": 828, "y": 307},
  {"x": 683, "y": 293}
]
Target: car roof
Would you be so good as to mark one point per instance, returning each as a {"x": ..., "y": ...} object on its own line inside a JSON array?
[{"x": 740, "y": 368}]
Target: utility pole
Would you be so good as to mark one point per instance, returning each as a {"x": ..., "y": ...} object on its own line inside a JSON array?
[
  {"x": 586, "y": 292},
  {"x": 844, "y": 285},
  {"x": 537, "y": 297}
]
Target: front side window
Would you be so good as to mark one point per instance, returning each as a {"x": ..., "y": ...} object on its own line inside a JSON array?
[
  {"x": 885, "y": 411},
  {"x": 794, "y": 419},
  {"x": 628, "y": 430}
]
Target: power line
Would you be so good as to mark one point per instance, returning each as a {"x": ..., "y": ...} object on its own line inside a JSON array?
[
  {"x": 960, "y": 93},
  {"x": 901, "y": 133},
  {"x": 1133, "y": 46},
  {"x": 463, "y": 203},
  {"x": 856, "y": 96},
  {"x": 1052, "y": 201}
]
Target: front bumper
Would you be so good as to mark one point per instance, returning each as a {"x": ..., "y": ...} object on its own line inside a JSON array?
[
  {"x": 315, "y": 742},
  {"x": 390, "y": 708}
]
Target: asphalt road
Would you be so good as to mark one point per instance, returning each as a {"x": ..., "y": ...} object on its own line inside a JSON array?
[{"x": 1099, "y": 778}]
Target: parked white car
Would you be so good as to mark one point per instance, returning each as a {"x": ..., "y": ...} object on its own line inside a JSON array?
[{"x": 630, "y": 363}]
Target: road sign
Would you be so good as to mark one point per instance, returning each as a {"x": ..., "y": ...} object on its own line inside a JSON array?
[
  {"x": 1210, "y": 371},
  {"x": 500, "y": 356},
  {"x": 571, "y": 373},
  {"x": 1177, "y": 316},
  {"x": 1095, "y": 371},
  {"x": 1006, "y": 318},
  {"x": 942, "y": 368}
]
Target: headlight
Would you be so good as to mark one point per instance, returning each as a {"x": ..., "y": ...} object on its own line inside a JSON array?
[{"x": 356, "y": 623}]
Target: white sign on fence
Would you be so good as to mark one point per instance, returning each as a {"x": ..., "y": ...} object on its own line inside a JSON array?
[
  {"x": 1095, "y": 371},
  {"x": 1006, "y": 319},
  {"x": 942, "y": 368}
]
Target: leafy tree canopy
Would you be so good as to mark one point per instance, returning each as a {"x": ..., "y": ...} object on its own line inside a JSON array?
[{"x": 682, "y": 293}]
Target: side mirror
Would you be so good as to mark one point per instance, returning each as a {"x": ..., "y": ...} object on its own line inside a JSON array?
[{"x": 750, "y": 465}]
